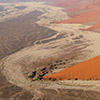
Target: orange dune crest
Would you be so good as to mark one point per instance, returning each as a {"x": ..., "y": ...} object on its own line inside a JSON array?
[{"x": 88, "y": 70}]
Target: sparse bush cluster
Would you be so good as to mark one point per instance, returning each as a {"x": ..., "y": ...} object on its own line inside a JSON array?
[
  {"x": 39, "y": 73},
  {"x": 42, "y": 98}
]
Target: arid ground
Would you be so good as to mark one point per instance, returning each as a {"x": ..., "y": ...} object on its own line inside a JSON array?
[{"x": 30, "y": 39}]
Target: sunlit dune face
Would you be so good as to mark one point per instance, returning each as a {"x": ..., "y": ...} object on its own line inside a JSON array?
[{"x": 88, "y": 70}]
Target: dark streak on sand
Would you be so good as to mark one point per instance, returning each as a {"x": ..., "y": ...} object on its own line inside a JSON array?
[
  {"x": 8, "y": 90},
  {"x": 53, "y": 39},
  {"x": 70, "y": 94},
  {"x": 20, "y": 7},
  {"x": 21, "y": 32}
]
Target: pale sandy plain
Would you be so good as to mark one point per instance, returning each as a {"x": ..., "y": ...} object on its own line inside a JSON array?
[{"x": 86, "y": 44}]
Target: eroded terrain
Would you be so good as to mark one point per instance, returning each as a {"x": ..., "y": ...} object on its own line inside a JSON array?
[{"x": 30, "y": 39}]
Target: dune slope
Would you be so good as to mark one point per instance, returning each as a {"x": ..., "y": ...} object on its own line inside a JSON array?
[
  {"x": 94, "y": 28},
  {"x": 91, "y": 17},
  {"x": 87, "y": 70}
]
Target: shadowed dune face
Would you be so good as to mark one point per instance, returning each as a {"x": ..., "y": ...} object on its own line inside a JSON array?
[{"x": 88, "y": 70}]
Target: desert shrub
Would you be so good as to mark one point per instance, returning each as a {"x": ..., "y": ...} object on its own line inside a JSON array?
[
  {"x": 57, "y": 61},
  {"x": 66, "y": 59},
  {"x": 91, "y": 79},
  {"x": 54, "y": 64},
  {"x": 34, "y": 73},
  {"x": 60, "y": 60},
  {"x": 97, "y": 79},
  {"x": 64, "y": 63},
  {"x": 69, "y": 79},
  {"x": 60, "y": 63},
  {"x": 42, "y": 98},
  {"x": 50, "y": 67},
  {"x": 49, "y": 78},
  {"x": 53, "y": 79},
  {"x": 39, "y": 77},
  {"x": 75, "y": 79},
  {"x": 59, "y": 78},
  {"x": 30, "y": 76},
  {"x": 43, "y": 69}
]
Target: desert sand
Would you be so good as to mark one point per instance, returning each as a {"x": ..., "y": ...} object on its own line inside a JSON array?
[
  {"x": 69, "y": 40},
  {"x": 63, "y": 46}
]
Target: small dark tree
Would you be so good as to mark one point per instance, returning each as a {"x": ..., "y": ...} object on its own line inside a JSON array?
[{"x": 75, "y": 79}]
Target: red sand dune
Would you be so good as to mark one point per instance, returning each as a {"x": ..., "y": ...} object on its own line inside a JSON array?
[
  {"x": 74, "y": 3},
  {"x": 91, "y": 17},
  {"x": 67, "y": 3},
  {"x": 80, "y": 9},
  {"x": 84, "y": 71},
  {"x": 64, "y": 2},
  {"x": 76, "y": 7},
  {"x": 95, "y": 28}
]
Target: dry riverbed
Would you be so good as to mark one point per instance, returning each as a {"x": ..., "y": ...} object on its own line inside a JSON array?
[{"x": 55, "y": 41}]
